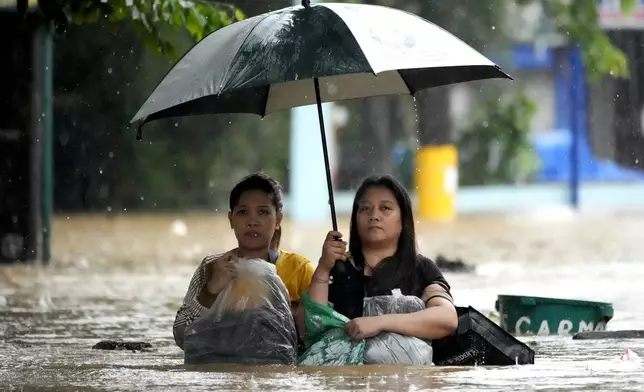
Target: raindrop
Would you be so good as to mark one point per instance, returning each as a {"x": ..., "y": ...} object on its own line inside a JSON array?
[
  {"x": 142, "y": 198},
  {"x": 100, "y": 171},
  {"x": 111, "y": 154},
  {"x": 67, "y": 218},
  {"x": 493, "y": 27},
  {"x": 109, "y": 71},
  {"x": 64, "y": 138},
  {"x": 176, "y": 124}
]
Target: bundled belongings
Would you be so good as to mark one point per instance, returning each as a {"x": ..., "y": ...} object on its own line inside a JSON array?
[
  {"x": 391, "y": 348},
  {"x": 329, "y": 345},
  {"x": 250, "y": 322}
]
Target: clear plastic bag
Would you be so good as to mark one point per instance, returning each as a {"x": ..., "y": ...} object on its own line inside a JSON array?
[
  {"x": 391, "y": 348},
  {"x": 250, "y": 322}
]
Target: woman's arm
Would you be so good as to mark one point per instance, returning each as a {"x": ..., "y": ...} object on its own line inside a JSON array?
[
  {"x": 334, "y": 249},
  {"x": 319, "y": 288},
  {"x": 437, "y": 321},
  {"x": 196, "y": 301}
]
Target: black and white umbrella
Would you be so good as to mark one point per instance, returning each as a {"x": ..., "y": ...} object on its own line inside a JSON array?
[{"x": 311, "y": 54}]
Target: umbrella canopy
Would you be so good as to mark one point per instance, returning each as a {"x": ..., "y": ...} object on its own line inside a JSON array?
[
  {"x": 310, "y": 54},
  {"x": 269, "y": 62}
]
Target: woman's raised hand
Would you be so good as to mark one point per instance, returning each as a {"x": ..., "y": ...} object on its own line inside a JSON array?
[
  {"x": 334, "y": 249},
  {"x": 221, "y": 272}
]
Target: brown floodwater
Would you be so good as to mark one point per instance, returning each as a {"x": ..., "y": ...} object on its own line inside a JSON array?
[{"x": 123, "y": 276}]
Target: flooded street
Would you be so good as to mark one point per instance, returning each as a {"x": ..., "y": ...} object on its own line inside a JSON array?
[{"x": 124, "y": 277}]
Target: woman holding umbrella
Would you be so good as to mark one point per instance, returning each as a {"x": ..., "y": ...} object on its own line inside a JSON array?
[{"x": 382, "y": 257}]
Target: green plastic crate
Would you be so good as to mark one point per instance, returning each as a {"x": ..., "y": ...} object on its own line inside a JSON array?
[{"x": 522, "y": 315}]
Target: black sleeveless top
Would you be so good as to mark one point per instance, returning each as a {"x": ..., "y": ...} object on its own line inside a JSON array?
[{"x": 349, "y": 286}]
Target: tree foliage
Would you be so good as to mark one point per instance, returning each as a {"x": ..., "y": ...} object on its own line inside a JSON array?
[
  {"x": 197, "y": 17},
  {"x": 495, "y": 147},
  {"x": 578, "y": 20},
  {"x": 102, "y": 75}
]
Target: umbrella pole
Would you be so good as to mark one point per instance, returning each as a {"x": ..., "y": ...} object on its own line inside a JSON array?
[{"x": 327, "y": 165}]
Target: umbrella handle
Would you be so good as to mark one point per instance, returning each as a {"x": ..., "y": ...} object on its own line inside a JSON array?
[
  {"x": 325, "y": 151},
  {"x": 306, "y": 3}
]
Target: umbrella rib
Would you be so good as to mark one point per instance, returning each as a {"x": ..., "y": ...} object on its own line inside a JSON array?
[
  {"x": 354, "y": 38},
  {"x": 406, "y": 84},
  {"x": 268, "y": 94},
  {"x": 250, "y": 32}
]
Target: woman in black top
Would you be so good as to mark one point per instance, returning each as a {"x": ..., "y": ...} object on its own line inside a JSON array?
[{"x": 382, "y": 256}]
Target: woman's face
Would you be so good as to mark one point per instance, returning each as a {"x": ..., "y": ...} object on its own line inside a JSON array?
[
  {"x": 254, "y": 220},
  {"x": 378, "y": 219}
]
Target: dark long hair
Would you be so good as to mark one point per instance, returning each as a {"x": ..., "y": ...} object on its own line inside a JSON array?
[
  {"x": 264, "y": 183},
  {"x": 399, "y": 270}
]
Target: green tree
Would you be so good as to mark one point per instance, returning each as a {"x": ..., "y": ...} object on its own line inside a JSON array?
[
  {"x": 495, "y": 147},
  {"x": 102, "y": 75},
  {"x": 148, "y": 17},
  {"x": 482, "y": 25},
  {"x": 578, "y": 20}
]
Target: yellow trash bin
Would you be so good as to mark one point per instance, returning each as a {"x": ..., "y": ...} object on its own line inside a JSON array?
[{"x": 437, "y": 182}]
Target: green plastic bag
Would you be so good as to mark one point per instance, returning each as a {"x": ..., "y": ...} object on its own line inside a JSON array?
[{"x": 327, "y": 343}]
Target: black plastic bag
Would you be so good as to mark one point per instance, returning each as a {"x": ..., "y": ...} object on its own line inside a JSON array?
[{"x": 479, "y": 341}]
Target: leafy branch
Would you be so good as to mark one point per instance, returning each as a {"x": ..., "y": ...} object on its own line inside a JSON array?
[
  {"x": 578, "y": 20},
  {"x": 198, "y": 17}
]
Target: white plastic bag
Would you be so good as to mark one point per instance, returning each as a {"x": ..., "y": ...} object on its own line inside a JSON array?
[
  {"x": 390, "y": 348},
  {"x": 250, "y": 322}
]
